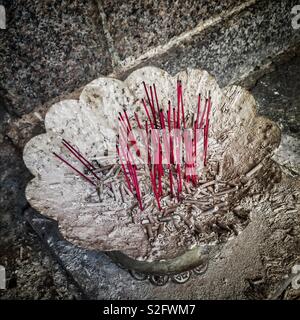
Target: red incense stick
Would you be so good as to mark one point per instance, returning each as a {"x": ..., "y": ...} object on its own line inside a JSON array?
[
  {"x": 127, "y": 120},
  {"x": 195, "y": 150},
  {"x": 124, "y": 170},
  {"x": 123, "y": 121},
  {"x": 147, "y": 93},
  {"x": 79, "y": 154},
  {"x": 156, "y": 99},
  {"x": 154, "y": 190},
  {"x": 207, "y": 128},
  {"x": 149, "y": 102},
  {"x": 75, "y": 154},
  {"x": 148, "y": 115},
  {"x": 165, "y": 139},
  {"x": 206, "y": 143},
  {"x": 169, "y": 115},
  {"x": 137, "y": 120},
  {"x": 198, "y": 110},
  {"x": 131, "y": 134},
  {"x": 132, "y": 173},
  {"x": 80, "y": 173},
  {"x": 159, "y": 173},
  {"x": 137, "y": 186},
  {"x": 178, "y": 104},
  {"x": 182, "y": 106},
  {"x": 171, "y": 181},
  {"x": 204, "y": 111},
  {"x": 148, "y": 144},
  {"x": 152, "y": 106},
  {"x": 170, "y": 137},
  {"x": 188, "y": 156}
]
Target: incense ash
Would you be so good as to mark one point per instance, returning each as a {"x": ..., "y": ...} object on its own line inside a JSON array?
[{"x": 153, "y": 166}]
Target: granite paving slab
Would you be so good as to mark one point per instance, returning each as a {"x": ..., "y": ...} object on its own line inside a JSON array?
[
  {"x": 231, "y": 50},
  {"x": 278, "y": 97},
  {"x": 138, "y": 26},
  {"x": 49, "y": 48},
  {"x": 31, "y": 271}
]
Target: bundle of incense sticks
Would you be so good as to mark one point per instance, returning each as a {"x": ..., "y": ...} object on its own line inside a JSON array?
[
  {"x": 164, "y": 130},
  {"x": 171, "y": 125}
]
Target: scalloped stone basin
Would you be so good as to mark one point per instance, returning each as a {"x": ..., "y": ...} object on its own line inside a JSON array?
[{"x": 151, "y": 241}]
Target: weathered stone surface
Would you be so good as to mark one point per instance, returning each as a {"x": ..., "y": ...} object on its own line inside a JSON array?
[
  {"x": 5, "y": 119},
  {"x": 31, "y": 272},
  {"x": 49, "y": 48},
  {"x": 21, "y": 130},
  {"x": 137, "y": 26},
  {"x": 278, "y": 98},
  {"x": 234, "y": 48},
  {"x": 252, "y": 266}
]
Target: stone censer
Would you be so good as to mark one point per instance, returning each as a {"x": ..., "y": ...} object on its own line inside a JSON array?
[{"x": 158, "y": 171}]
